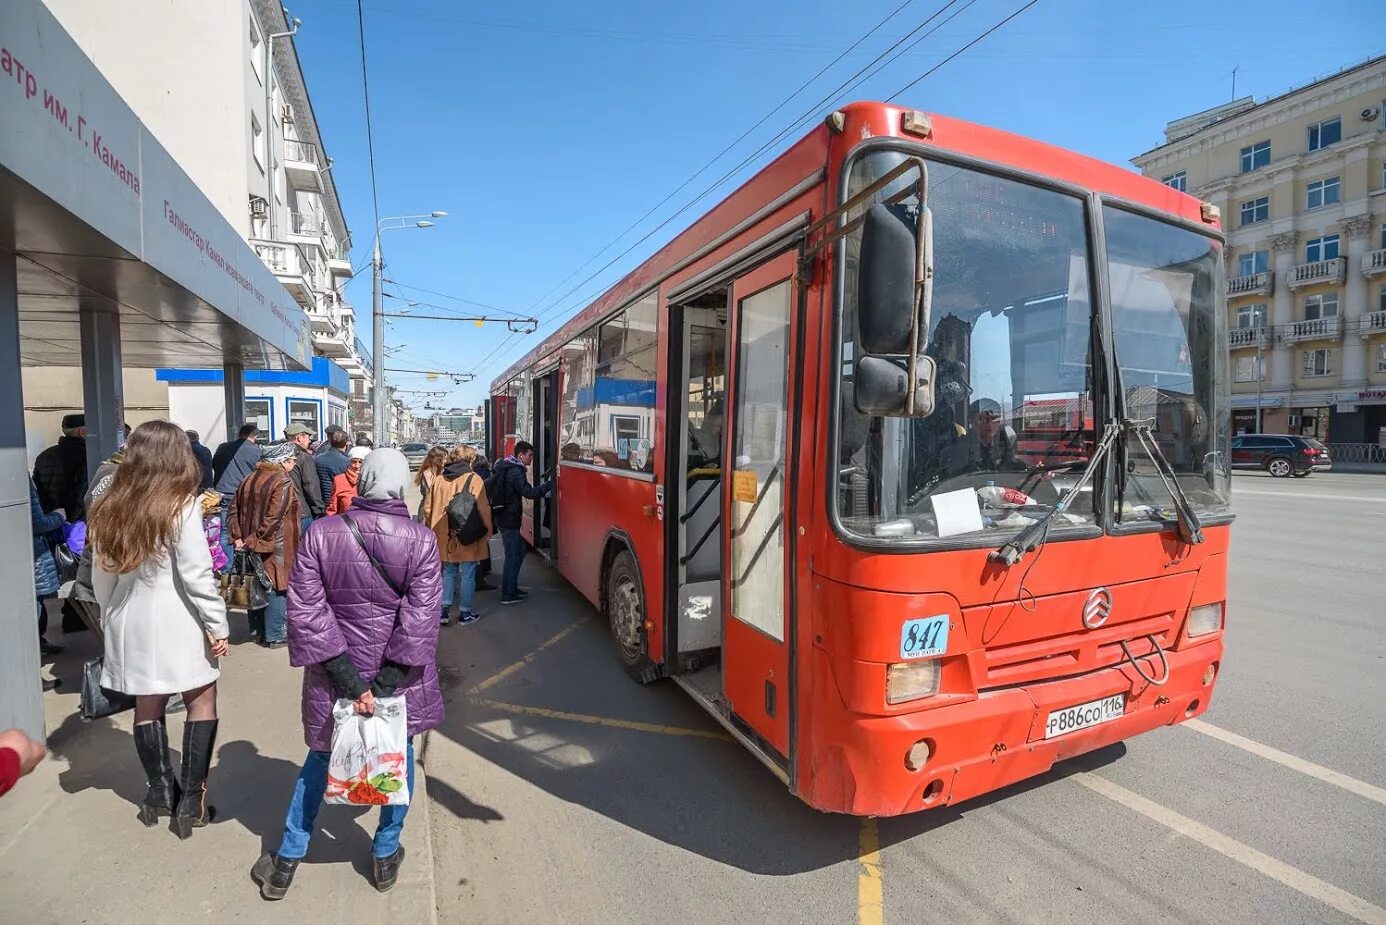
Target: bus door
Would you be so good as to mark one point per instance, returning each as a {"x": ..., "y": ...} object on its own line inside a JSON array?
[
  {"x": 697, "y": 508},
  {"x": 756, "y": 502},
  {"x": 545, "y": 396}
]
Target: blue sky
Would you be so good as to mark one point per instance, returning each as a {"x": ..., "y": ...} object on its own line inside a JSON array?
[{"x": 546, "y": 129}]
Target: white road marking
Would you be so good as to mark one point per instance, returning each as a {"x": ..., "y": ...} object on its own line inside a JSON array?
[
  {"x": 1327, "y": 775},
  {"x": 1371, "y": 499},
  {"x": 1292, "y": 877}
]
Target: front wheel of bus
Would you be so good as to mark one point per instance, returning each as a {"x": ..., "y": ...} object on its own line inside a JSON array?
[{"x": 625, "y": 611}]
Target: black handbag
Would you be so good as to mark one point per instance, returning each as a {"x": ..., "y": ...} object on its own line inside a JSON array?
[
  {"x": 66, "y": 561},
  {"x": 98, "y": 701},
  {"x": 257, "y": 583}
]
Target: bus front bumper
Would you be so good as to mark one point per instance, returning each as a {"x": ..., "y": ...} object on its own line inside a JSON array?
[{"x": 981, "y": 745}]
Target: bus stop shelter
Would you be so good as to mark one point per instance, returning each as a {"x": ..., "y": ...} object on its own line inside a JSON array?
[{"x": 110, "y": 256}]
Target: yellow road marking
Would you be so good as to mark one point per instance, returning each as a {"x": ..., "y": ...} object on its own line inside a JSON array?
[
  {"x": 513, "y": 667},
  {"x": 1350, "y": 905},
  {"x": 870, "y": 887},
  {"x": 605, "y": 721}
]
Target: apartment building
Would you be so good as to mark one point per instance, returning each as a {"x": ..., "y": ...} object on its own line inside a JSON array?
[
  {"x": 219, "y": 83},
  {"x": 1301, "y": 181}
]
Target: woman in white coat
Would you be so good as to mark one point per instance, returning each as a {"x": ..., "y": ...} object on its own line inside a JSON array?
[{"x": 164, "y": 622}]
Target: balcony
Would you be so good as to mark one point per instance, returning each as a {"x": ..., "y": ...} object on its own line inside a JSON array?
[
  {"x": 302, "y": 165},
  {"x": 307, "y": 224},
  {"x": 1322, "y": 272},
  {"x": 1258, "y": 336},
  {"x": 289, "y": 266},
  {"x": 333, "y": 342},
  {"x": 1373, "y": 323},
  {"x": 1374, "y": 263},
  {"x": 1315, "y": 329},
  {"x": 339, "y": 260},
  {"x": 1262, "y": 284}
]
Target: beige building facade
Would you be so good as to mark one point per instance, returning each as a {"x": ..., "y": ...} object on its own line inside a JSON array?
[{"x": 1301, "y": 182}]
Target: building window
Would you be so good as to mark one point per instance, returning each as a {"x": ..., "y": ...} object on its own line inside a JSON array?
[
  {"x": 1323, "y": 305},
  {"x": 257, "y": 412},
  {"x": 1321, "y": 193},
  {"x": 1381, "y": 298},
  {"x": 1257, "y": 155},
  {"x": 257, "y": 53},
  {"x": 1257, "y": 210},
  {"x": 1382, "y": 242},
  {"x": 1318, "y": 362},
  {"x": 257, "y": 144},
  {"x": 1253, "y": 263},
  {"x": 1381, "y": 358},
  {"x": 1324, "y": 248},
  {"x": 1179, "y": 181},
  {"x": 1248, "y": 369},
  {"x": 1251, "y": 316},
  {"x": 307, "y": 413},
  {"x": 1325, "y": 133}
]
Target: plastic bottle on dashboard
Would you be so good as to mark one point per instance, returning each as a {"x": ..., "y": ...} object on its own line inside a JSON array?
[{"x": 997, "y": 496}]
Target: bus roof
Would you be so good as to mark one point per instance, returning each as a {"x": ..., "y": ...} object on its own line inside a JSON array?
[{"x": 864, "y": 120}]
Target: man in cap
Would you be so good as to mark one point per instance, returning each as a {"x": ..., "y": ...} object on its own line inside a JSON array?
[
  {"x": 60, "y": 472},
  {"x": 990, "y": 444},
  {"x": 305, "y": 474},
  {"x": 325, "y": 445}
]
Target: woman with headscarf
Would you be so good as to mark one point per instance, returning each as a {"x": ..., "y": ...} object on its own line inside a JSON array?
[
  {"x": 344, "y": 485},
  {"x": 363, "y": 623},
  {"x": 264, "y": 519},
  {"x": 165, "y": 623}
]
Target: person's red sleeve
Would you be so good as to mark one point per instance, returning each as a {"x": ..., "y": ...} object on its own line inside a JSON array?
[{"x": 9, "y": 769}]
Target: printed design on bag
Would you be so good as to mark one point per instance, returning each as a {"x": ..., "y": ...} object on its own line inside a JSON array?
[
  {"x": 379, "y": 776},
  {"x": 370, "y": 760}
]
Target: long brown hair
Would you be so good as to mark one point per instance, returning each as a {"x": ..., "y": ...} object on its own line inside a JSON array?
[
  {"x": 432, "y": 464},
  {"x": 138, "y": 515}
]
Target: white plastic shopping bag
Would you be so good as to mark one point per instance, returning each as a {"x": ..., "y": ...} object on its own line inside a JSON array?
[{"x": 370, "y": 757}]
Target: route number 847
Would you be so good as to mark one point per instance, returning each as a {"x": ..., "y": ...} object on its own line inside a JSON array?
[{"x": 924, "y": 637}]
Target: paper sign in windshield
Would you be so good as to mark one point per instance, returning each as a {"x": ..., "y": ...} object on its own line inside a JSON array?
[
  {"x": 957, "y": 512},
  {"x": 924, "y": 637}
]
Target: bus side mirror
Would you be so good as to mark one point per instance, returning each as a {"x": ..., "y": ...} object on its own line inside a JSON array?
[{"x": 892, "y": 326}]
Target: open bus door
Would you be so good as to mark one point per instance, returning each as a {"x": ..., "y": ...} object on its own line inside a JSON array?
[{"x": 757, "y": 502}]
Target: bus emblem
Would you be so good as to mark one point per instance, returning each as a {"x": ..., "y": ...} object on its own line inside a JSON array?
[{"x": 1097, "y": 608}]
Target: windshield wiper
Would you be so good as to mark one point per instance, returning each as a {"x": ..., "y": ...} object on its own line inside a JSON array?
[
  {"x": 1190, "y": 527},
  {"x": 1029, "y": 539}
]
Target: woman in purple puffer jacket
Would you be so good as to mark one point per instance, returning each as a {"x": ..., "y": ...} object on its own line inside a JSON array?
[{"x": 358, "y": 637}]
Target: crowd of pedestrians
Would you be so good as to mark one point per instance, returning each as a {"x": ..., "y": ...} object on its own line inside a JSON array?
[{"x": 343, "y": 574}]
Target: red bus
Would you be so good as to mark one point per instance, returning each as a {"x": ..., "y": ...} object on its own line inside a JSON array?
[{"x": 780, "y": 481}]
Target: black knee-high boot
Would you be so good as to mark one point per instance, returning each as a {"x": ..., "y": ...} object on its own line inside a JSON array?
[
  {"x": 199, "y": 738},
  {"x": 151, "y": 744}
]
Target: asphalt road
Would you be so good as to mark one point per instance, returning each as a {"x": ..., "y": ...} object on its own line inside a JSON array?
[{"x": 562, "y": 792}]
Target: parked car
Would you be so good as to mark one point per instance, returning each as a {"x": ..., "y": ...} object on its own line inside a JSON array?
[
  {"x": 1282, "y": 455},
  {"x": 414, "y": 453}
]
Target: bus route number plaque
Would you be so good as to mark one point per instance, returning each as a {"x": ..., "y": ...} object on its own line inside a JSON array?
[{"x": 924, "y": 637}]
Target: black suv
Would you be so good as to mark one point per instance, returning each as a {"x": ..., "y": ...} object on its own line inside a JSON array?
[{"x": 1281, "y": 455}]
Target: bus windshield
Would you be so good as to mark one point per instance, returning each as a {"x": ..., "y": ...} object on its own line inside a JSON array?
[{"x": 1011, "y": 334}]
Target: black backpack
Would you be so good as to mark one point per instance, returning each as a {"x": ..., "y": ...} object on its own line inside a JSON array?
[
  {"x": 495, "y": 488},
  {"x": 464, "y": 515}
]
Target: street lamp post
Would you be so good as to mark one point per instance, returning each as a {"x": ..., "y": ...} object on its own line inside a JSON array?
[{"x": 380, "y": 428}]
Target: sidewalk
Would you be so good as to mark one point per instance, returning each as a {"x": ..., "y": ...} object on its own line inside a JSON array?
[{"x": 71, "y": 849}]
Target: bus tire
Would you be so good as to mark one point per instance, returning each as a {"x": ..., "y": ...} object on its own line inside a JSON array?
[{"x": 625, "y": 614}]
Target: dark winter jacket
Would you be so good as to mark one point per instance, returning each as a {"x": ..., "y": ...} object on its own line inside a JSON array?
[
  {"x": 232, "y": 462},
  {"x": 204, "y": 459},
  {"x": 60, "y": 474},
  {"x": 305, "y": 476},
  {"x": 47, "y": 529},
  {"x": 331, "y": 463},
  {"x": 506, "y": 508},
  {"x": 339, "y": 604}
]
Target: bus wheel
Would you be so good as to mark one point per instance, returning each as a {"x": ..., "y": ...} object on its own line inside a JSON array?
[{"x": 625, "y": 611}]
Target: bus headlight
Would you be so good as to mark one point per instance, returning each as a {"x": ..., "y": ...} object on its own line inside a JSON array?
[
  {"x": 1205, "y": 619},
  {"x": 911, "y": 680}
]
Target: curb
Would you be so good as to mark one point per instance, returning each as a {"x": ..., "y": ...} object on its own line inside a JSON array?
[{"x": 427, "y": 824}]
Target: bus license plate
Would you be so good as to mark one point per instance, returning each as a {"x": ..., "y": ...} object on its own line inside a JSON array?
[{"x": 1093, "y": 713}]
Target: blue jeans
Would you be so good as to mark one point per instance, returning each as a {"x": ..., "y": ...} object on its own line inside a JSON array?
[
  {"x": 514, "y": 546},
  {"x": 226, "y": 545},
  {"x": 451, "y": 571},
  {"x": 302, "y": 816},
  {"x": 271, "y": 623}
]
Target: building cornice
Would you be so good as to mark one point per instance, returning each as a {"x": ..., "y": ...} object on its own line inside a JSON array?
[
  {"x": 1302, "y": 161},
  {"x": 1254, "y": 122}
]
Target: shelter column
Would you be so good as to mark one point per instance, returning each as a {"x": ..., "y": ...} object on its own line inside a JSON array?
[
  {"x": 103, "y": 390},
  {"x": 21, "y": 701},
  {"x": 233, "y": 388}
]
